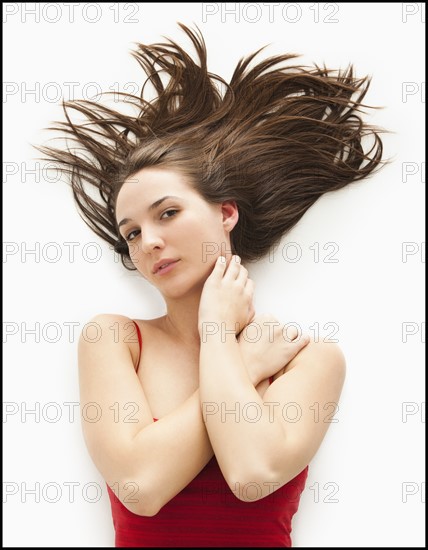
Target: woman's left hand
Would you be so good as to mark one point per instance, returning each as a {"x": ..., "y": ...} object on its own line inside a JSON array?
[
  {"x": 227, "y": 297},
  {"x": 266, "y": 348}
]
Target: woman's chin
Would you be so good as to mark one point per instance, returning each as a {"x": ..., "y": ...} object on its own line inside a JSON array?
[{"x": 180, "y": 288}]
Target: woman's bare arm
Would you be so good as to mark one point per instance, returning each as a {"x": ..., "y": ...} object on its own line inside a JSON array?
[
  {"x": 146, "y": 463},
  {"x": 262, "y": 442}
]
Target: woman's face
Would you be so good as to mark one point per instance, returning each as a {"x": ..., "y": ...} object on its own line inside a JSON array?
[{"x": 182, "y": 227}]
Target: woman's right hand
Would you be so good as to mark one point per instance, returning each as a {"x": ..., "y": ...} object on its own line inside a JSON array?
[
  {"x": 267, "y": 346},
  {"x": 227, "y": 298}
]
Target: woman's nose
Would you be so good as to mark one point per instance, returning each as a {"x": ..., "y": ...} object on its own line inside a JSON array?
[{"x": 149, "y": 241}]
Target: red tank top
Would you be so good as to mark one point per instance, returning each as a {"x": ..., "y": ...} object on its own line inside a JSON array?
[{"x": 206, "y": 513}]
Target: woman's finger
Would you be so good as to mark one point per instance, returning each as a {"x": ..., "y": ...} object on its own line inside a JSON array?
[
  {"x": 291, "y": 333},
  {"x": 250, "y": 284},
  {"x": 233, "y": 267},
  {"x": 249, "y": 289},
  {"x": 242, "y": 277},
  {"x": 251, "y": 316},
  {"x": 219, "y": 266},
  {"x": 302, "y": 341}
]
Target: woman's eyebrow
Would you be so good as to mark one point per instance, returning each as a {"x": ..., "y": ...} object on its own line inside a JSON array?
[{"x": 151, "y": 207}]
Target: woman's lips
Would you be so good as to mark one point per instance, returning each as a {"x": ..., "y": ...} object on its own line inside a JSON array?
[{"x": 167, "y": 269}]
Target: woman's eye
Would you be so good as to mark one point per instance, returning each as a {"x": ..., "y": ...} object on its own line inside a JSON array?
[
  {"x": 129, "y": 237},
  {"x": 168, "y": 211}
]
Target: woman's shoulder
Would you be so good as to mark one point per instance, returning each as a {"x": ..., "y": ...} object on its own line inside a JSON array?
[
  {"x": 105, "y": 324},
  {"x": 106, "y": 328},
  {"x": 322, "y": 352},
  {"x": 122, "y": 327},
  {"x": 105, "y": 318}
]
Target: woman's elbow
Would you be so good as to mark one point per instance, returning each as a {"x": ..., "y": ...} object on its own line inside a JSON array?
[
  {"x": 138, "y": 500},
  {"x": 252, "y": 487}
]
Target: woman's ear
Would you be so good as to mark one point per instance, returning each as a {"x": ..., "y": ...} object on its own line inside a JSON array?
[{"x": 230, "y": 213}]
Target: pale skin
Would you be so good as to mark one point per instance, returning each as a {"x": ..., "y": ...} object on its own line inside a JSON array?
[{"x": 186, "y": 377}]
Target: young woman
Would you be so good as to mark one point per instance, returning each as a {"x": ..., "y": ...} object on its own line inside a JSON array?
[{"x": 205, "y": 429}]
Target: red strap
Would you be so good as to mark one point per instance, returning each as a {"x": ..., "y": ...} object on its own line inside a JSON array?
[{"x": 140, "y": 341}]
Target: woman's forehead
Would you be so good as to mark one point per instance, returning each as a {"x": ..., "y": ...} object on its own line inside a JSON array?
[
  {"x": 150, "y": 186},
  {"x": 153, "y": 181}
]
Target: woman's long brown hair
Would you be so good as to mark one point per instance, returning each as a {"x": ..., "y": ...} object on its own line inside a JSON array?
[{"x": 274, "y": 139}]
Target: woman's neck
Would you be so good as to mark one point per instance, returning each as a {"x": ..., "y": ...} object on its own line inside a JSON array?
[{"x": 181, "y": 320}]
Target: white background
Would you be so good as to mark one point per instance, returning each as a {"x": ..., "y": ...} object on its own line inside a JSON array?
[{"x": 365, "y": 483}]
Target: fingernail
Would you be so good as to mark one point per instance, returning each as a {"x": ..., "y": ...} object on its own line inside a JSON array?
[
  {"x": 238, "y": 259},
  {"x": 222, "y": 259}
]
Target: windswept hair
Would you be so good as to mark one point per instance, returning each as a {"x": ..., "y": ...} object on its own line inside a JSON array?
[{"x": 273, "y": 139}]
